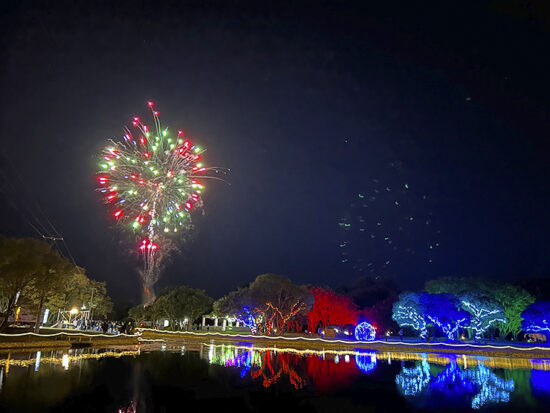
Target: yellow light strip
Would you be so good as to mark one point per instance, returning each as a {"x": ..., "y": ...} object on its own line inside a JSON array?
[
  {"x": 494, "y": 362},
  {"x": 69, "y": 334},
  {"x": 61, "y": 360},
  {"x": 354, "y": 343}
]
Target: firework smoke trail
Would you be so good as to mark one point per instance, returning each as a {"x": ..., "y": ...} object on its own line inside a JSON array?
[{"x": 152, "y": 183}]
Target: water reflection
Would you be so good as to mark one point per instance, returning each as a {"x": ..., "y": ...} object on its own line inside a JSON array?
[
  {"x": 411, "y": 381},
  {"x": 479, "y": 382},
  {"x": 61, "y": 357},
  {"x": 133, "y": 380},
  {"x": 471, "y": 379},
  {"x": 326, "y": 371},
  {"x": 366, "y": 362}
]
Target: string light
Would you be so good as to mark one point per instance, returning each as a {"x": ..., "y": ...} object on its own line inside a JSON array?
[
  {"x": 448, "y": 328},
  {"x": 382, "y": 343},
  {"x": 483, "y": 318},
  {"x": 365, "y": 332},
  {"x": 409, "y": 317}
]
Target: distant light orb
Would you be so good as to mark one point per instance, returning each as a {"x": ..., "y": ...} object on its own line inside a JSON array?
[{"x": 365, "y": 332}]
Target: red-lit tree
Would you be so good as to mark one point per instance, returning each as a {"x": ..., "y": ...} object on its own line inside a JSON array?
[{"x": 331, "y": 308}]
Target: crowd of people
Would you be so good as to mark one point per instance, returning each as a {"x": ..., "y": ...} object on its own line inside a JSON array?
[{"x": 111, "y": 327}]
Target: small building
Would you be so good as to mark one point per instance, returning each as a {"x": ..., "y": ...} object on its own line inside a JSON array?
[{"x": 213, "y": 322}]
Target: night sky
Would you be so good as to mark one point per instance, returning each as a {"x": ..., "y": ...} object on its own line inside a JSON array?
[{"x": 310, "y": 105}]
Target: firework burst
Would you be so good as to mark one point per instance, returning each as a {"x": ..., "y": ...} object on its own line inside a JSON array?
[{"x": 152, "y": 182}]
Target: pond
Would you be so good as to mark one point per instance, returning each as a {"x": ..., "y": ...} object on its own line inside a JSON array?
[{"x": 206, "y": 376}]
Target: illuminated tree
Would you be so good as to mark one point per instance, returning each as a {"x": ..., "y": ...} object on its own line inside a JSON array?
[
  {"x": 232, "y": 304},
  {"x": 53, "y": 270},
  {"x": 277, "y": 300},
  {"x": 20, "y": 261},
  {"x": 485, "y": 311},
  {"x": 33, "y": 273},
  {"x": 331, "y": 308},
  {"x": 77, "y": 290},
  {"x": 444, "y": 311},
  {"x": 267, "y": 304},
  {"x": 514, "y": 300},
  {"x": 536, "y": 318},
  {"x": 409, "y": 311},
  {"x": 238, "y": 304}
]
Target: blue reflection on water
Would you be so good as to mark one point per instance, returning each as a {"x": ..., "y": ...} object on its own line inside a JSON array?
[
  {"x": 493, "y": 389},
  {"x": 411, "y": 381},
  {"x": 485, "y": 386},
  {"x": 240, "y": 359},
  {"x": 366, "y": 362},
  {"x": 540, "y": 382}
]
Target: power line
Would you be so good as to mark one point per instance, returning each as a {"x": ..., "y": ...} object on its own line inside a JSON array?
[{"x": 50, "y": 234}]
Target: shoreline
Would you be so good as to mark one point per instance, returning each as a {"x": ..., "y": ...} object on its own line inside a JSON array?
[
  {"x": 63, "y": 339},
  {"x": 322, "y": 343},
  {"x": 25, "y": 341}
]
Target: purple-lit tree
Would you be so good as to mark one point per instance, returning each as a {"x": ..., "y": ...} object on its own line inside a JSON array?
[
  {"x": 444, "y": 311},
  {"x": 536, "y": 318}
]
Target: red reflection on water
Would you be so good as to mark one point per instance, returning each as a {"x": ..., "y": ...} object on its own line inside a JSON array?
[
  {"x": 276, "y": 365},
  {"x": 329, "y": 376},
  {"x": 326, "y": 375}
]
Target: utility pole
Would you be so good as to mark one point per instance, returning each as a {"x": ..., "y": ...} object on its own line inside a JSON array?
[{"x": 91, "y": 307}]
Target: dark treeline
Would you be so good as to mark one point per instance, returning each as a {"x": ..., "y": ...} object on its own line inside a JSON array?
[{"x": 34, "y": 275}]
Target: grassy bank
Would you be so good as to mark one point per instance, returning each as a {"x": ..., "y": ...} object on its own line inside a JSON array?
[
  {"x": 300, "y": 342},
  {"x": 63, "y": 340}
]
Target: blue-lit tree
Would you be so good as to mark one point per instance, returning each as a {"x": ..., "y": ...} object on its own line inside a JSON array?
[
  {"x": 408, "y": 311},
  {"x": 444, "y": 311},
  {"x": 536, "y": 318},
  {"x": 484, "y": 310}
]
